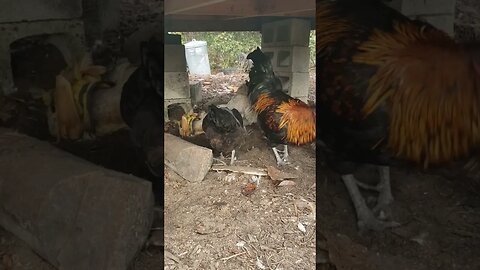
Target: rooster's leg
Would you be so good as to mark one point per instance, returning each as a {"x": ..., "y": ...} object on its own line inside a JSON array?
[
  {"x": 281, "y": 160},
  {"x": 385, "y": 197},
  {"x": 232, "y": 158},
  {"x": 366, "y": 218},
  {"x": 285, "y": 153}
]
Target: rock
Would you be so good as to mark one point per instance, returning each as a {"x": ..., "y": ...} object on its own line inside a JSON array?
[
  {"x": 73, "y": 213},
  {"x": 190, "y": 161}
]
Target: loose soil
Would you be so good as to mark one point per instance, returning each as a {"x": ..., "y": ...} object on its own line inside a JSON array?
[{"x": 212, "y": 225}]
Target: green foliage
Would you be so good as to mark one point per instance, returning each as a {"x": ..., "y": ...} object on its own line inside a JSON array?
[{"x": 224, "y": 48}]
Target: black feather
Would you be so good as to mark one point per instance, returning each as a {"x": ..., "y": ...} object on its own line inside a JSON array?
[
  {"x": 141, "y": 105},
  {"x": 224, "y": 129}
]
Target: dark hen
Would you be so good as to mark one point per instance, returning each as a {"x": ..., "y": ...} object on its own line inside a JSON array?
[
  {"x": 224, "y": 129},
  {"x": 141, "y": 105}
]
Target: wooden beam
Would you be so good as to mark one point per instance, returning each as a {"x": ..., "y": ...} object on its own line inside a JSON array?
[
  {"x": 308, "y": 13},
  {"x": 177, "y": 6},
  {"x": 219, "y": 23},
  {"x": 249, "y": 8}
]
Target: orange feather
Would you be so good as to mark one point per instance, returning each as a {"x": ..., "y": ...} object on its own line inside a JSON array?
[{"x": 430, "y": 86}]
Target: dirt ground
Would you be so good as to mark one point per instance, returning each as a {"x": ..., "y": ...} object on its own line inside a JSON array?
[
  {"x": 114, "y": 151},
  {"x": 212, "y": 225},
  {"x": 440, "y": 220}
]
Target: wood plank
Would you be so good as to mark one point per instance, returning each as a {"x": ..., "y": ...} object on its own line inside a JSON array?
[
  {"x": 250, "y": 8},
  {"x": 217, "y": 23},
  {"x": 177, "y": 6}
]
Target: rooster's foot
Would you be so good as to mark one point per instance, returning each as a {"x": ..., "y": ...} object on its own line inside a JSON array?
[
  {"x": 368, "y": 222},
  {"x": 385, "y": 199},
  {"x": 366, "y": 218},
  {"x": 282, "y": 160}
]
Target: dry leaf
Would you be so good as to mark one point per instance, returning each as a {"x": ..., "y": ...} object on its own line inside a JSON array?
[
  {"x": 249, "y": 189},
  {"x": 287, "y": 183},
  {"x": 277, "y": 175}
]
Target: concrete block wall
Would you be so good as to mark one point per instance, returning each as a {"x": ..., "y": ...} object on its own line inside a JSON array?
[
  {"x": 300, "y": 81},
  {"x": 439, "y": 13},
  {"x": 286, "y": 43},
  {"x": 289, "y": 58},
  {"x": 177, "y": 86},
  {"x": 289, "y": 32}
]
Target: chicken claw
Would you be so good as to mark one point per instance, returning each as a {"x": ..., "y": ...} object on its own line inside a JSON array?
[
  {"x": 281, "y": 161},
  {"x": 385, "y": 198},
  {"x": 232, "y": 158},
  {"x": 366, "y": 218}
]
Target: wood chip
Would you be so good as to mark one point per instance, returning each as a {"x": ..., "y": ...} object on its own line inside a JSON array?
[
  {"x": 301, "y": 227},
  {"x": 249, "y": 189},
  {"x": 277, "y": 175}
]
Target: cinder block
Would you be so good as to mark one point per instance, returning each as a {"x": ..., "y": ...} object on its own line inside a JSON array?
[
  {"x": 296, "y": 84},
  {"x": 15, "y": 31},
  {"x": 289, "y": 59},
  {"x": 304, "y": 99},
  {"x": 196, "y": 92},
  {"x": 176, "y": 85},
  {"x": 416, "y": 7},
  {"x": 290, "y": 32},
  {"x": 175, "y": 58},
  {"x": 442, "y": 22},
  {"x": 186, "y": 104}
]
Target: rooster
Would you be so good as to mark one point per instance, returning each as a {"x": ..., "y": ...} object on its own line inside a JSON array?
[
  {"x": 282, "y": 118},
  {"x": 391, "y": 89},
  {"x": 224, "y": 129}
]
